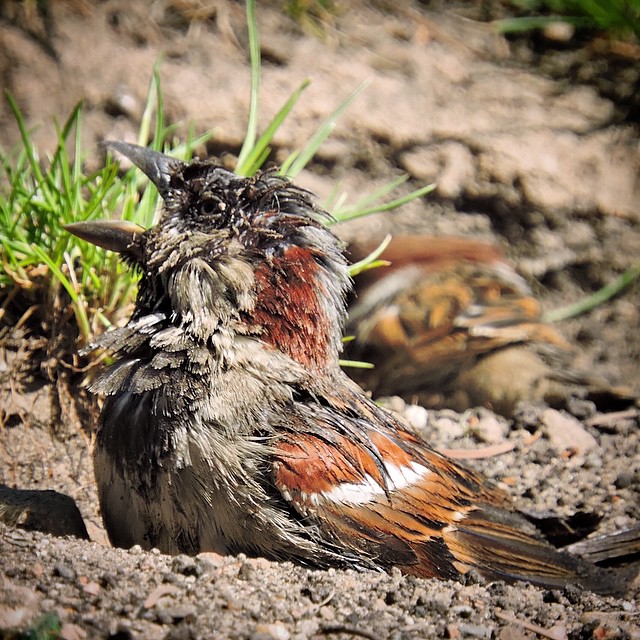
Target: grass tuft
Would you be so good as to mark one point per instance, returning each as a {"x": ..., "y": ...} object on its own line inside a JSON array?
[
  {"x": 44, "y": 268},
  {"x": 38, "y": 197},
  {"x": 617, "y": 18}
]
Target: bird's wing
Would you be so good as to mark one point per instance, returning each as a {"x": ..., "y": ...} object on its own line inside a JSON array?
[
  {"x": 381, "y": 493},
  {"x": 421, "y": 327},
  {"x": 472, "y": 306}
]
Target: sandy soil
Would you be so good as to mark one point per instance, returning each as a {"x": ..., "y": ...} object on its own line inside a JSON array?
[{"x": 545, "y": 166}]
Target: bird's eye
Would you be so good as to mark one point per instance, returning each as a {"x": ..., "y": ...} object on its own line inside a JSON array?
[{"x": 209, "y": 206}]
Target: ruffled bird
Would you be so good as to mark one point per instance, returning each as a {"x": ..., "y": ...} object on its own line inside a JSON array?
[{"x": 229, "y": 426}]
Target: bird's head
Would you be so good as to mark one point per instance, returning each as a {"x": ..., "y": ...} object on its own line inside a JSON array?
[{"x": 247, "y": 255}]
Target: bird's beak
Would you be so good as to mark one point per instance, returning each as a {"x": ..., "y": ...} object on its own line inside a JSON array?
[
  {"x": 118, "y": 235},
  {"x": 157, "y": 166},
  {"x": 115, "y": 235}
]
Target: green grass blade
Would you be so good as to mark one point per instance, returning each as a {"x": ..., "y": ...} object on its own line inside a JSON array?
[
  {"x": 60, "y": 155},
  {"x": 159, "y": 132},
  {"x": 356, "y": 364},
  {"x": 532, "y": 23},
  {"x": 599, "y": 297},
  {"x": 26, "y": 138},
  {"x": 296, "y": 162},
  {"x": 77, "y": 148},
  {"x": 78, "y": 307},
  {"x": 388, "y": 206},
  {"x": 184, "y": 150},
  {"x": 145, "y": 122},
  {"x": 374, "y": 264},
  {"x": 260, "y": 151},
  {"x": 371, "y": 261},
  {"x": 340, "y": 210},
  {"x": 254, "y": 56}
]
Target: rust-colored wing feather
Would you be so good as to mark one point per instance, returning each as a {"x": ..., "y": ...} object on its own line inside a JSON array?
[{"x": 384, "y": 495}]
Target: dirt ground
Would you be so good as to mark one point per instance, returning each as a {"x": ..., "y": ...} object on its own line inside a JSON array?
[{"x": 533, "y": 145}]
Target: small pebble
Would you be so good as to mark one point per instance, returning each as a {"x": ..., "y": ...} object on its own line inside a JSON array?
[
  {"x": 566, "y": 433},
  {"x": 64, "y": 571},
  {"x": 92, "y": 589},
  {"x": 559, "y": 31},
  {"x": 453, "y": 632},
  {"x": 475, "y": 630},
  {"x": 274, "y": 631},
  {"x": 173, "y": 614},
  {"x": 72, "y": 631},
  {"x": 393, "y": 597},
  {"x": 328, "y": 614},
  {"x": 625, "y": 479},
  {"x": 441, "y": 602},
  {"x": 185, "y": 565},
  {"x": 417, "y": 416},
  {"x": 462, "y": 611},
  {"x": 109, "y": 580},
  {"x": 490, "y": 428}
]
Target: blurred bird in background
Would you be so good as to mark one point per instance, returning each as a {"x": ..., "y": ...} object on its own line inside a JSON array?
[{"x": 451, "y": 324}]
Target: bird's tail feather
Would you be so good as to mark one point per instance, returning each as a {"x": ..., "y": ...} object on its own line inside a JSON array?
[{"x": 501, "y": 547}]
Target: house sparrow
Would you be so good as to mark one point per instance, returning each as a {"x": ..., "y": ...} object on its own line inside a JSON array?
[
  {"x": 451, "y": 324},
  {"x": 229, "y": 426}
]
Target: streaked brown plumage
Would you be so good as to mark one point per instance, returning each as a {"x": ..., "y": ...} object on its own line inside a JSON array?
[
  {"x": 229, "y": 426},
  {"x": 451, "y": 324}
]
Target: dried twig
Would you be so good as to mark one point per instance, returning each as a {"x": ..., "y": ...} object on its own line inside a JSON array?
[
  {"x": 609, "y": 420},
  {"x": 555, "y": 633},
  {"x": 353, "y": 631}
]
